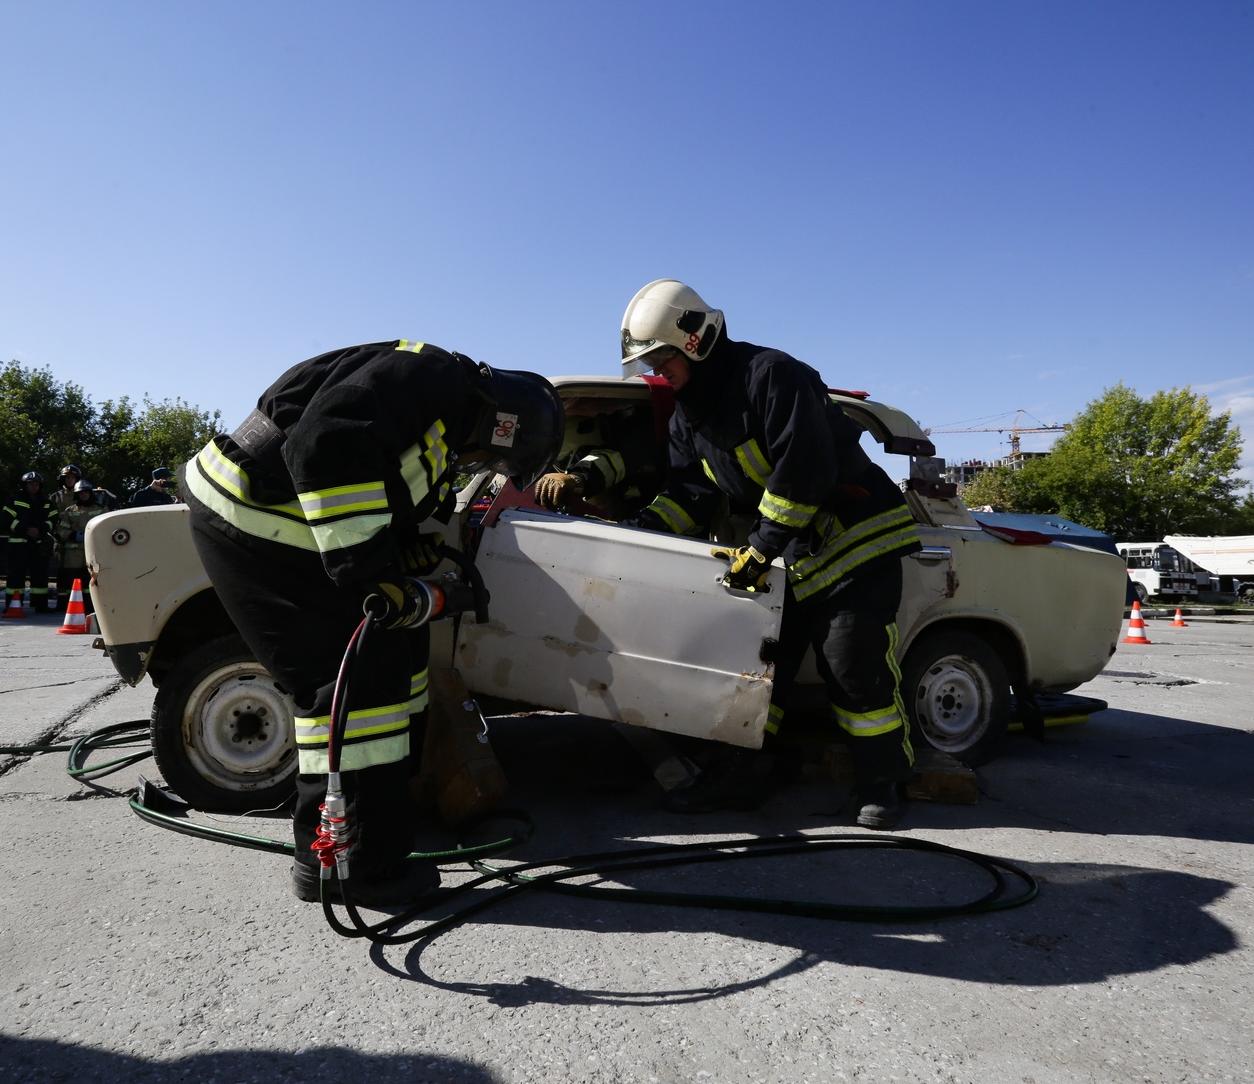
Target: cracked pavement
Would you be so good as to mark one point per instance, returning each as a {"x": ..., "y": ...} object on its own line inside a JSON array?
[{"x": 133, "y": 953}]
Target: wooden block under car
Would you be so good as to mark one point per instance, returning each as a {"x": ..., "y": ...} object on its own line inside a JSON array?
[
  {"x": 937, "y": 777},
  {"x": 461, "y": 777}
]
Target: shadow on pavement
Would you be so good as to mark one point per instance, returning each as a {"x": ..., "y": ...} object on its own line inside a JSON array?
[
  {"x": 1092, "y": 921},
  {"x": 42, "y": 1061}
]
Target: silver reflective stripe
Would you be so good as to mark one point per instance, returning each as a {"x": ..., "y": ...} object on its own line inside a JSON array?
[
  {"x": 844, "y": 540},
  {"x": 841, "y": 567},
  {"x": 320, "y": 503},
  {"x": 418, "y": 692},
  {"x": 355, "y": 757},
  {"x": 868, "y": 724},
  {"x": 410, "y": 345},
  {"x": 782, "y": 510},
  {"x": 344, "y": 533},
  {"x": 362, "y": 723},
  {"x": 753, "y": 462},
  {"x": 608, "y": 464},
  {"x": 250, "y": 519}
]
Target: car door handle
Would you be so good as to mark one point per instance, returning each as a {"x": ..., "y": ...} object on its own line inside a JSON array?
[{"x": 933, "y": 553}]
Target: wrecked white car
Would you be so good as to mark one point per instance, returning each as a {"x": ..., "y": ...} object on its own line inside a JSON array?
[{"x": 617, "y": 623}]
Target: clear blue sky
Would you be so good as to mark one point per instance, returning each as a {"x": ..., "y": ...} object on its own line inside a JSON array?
[{"x": 967, "y": 208}]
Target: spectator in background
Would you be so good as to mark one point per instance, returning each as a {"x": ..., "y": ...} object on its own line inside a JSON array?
[
  {"x": 158, "y": 491},
  {"x": 29, "y": 517},
  {"x": 71, "y": 475},
  {"x": 71, "y": 527}
]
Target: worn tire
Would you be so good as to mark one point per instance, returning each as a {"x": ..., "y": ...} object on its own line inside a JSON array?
[
  {"x": 957, "y": 693},
  {"x": 222, "y": 733},
  {"x": 1142, "y": 593}
]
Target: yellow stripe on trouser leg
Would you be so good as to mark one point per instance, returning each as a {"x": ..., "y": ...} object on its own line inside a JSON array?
[
  {"x": 372, "y": 736},
  {"x": 868, "y": 724},
  {"x": 890, "y": 657},
  {"x": 774, "y": 719}
]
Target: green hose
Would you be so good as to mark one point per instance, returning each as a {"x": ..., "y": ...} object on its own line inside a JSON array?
[{"x": 509, "y": 881}]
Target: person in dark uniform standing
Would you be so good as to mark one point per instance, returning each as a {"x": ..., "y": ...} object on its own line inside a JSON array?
[
  {"x": 312, "y": 505},
  {"x": 30, "y": 518},
  {"x": 757, "y": 425},
  {"x": 157, "y": 492}
]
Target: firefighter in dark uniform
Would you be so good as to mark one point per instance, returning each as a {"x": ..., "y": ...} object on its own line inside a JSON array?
[
  {"x": 30, "y": 521},
  {"x": 312, "y": 505},
  {"x": 758, "y": 426},
  {"x": 616, "y": 465}
]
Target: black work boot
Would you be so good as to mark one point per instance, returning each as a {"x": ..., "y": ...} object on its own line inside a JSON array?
[
  {"x": 879, "y": 805},
  {"x": 736, "y": 779},
  {"x": 404, "y": 882}
]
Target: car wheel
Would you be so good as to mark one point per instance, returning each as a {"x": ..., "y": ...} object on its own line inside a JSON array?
[
  {"x": 957, "y": 692},
  {"x": 222, "y": 732},
  {"x": 1142, "y": 595},
  {"x": 1246, "y": 592}
]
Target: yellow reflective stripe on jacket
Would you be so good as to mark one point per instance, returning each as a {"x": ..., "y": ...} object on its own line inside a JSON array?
[
  {"x": 841, "y": 541},
  {"x": 672, "y": 514},
  {"x": 353, "y": 758},
  {"x": 755, "y": 465},
  {"x": 840, "y": 568},
  {"x": 782, "y": 510},
  {"x": 709, "y": 471},
  {"x": 252, "y": 519},
  {"x": 231, "y": 478},
  {"x": 339, "y": 500},
  {"x": 608, "y": 464},
  {"x": 418, "y": 692},
  {"x": 409, "y": 344},
  {"x": 868, "y": 724},
  {"x": 423, "y": 463}
]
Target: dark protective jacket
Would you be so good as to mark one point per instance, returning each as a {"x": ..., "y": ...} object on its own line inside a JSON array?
[
  {"x": 23, "y": 511},
  {"x": 353, "y": 450},
  {"x": 147, "y": 497},
  {"x": 758, "y": 425}
]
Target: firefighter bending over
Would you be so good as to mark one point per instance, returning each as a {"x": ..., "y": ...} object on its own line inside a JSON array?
[
  {"x": 758, "y": 425},
  {"x": 313, "y": 504}
]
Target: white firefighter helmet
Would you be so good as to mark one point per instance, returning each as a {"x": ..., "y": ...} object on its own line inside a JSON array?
[{"x": 666, "y": 313}]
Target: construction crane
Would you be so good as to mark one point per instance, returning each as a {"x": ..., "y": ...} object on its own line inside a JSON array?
[{"x": 1015, "y": 429}]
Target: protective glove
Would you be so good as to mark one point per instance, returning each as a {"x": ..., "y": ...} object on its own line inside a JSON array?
[
  {"x": 748, "y": 570},
  {"x": 557, "y": 490},
  {"x": 422, "y": 557},
  {"x": 399, "y": 604}
]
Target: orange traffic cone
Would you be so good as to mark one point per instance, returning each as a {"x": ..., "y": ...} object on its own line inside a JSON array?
[
  {"x": 14, "y": 609},
  {"x": 1179, "y": 622},
  {"x": 1136, "y": 627},
  {"x": 75, "y": 616}
]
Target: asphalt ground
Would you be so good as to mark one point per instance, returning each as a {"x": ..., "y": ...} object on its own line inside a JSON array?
[{"x": 131, "y": 953}]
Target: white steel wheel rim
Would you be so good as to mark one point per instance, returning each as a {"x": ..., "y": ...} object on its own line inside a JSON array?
[
  {"x": 237, "y": 728},
  {"x": 952, "y": 702}
]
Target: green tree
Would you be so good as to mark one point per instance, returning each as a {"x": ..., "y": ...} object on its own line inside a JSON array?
[
  {"x": 46, "y": 423},
  {"x": 1139, "y": 468},
  {"x": 164, "y": 434},
  {"x": 995, "y": 487}
]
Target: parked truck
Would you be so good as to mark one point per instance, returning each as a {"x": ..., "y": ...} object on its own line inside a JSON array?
[
  {"x": 1228, "y": 561},
  {"x": 1158, "y": 571}
]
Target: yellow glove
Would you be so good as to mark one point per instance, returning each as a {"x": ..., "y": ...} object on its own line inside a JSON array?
[
  {"x": 422, "y": 557},
  {"x": 555, "y": 491},
  {"x": 748, "y": 570}
]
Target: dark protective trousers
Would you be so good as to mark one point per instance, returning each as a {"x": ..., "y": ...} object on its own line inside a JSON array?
[
  {"x": 28, "y": 557},
  {"x": 854, "y": 635},
  {"x": 297, "y": 623}
]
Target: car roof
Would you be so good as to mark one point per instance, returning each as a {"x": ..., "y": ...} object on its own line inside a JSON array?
[{"x": 897, "y": 431}]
